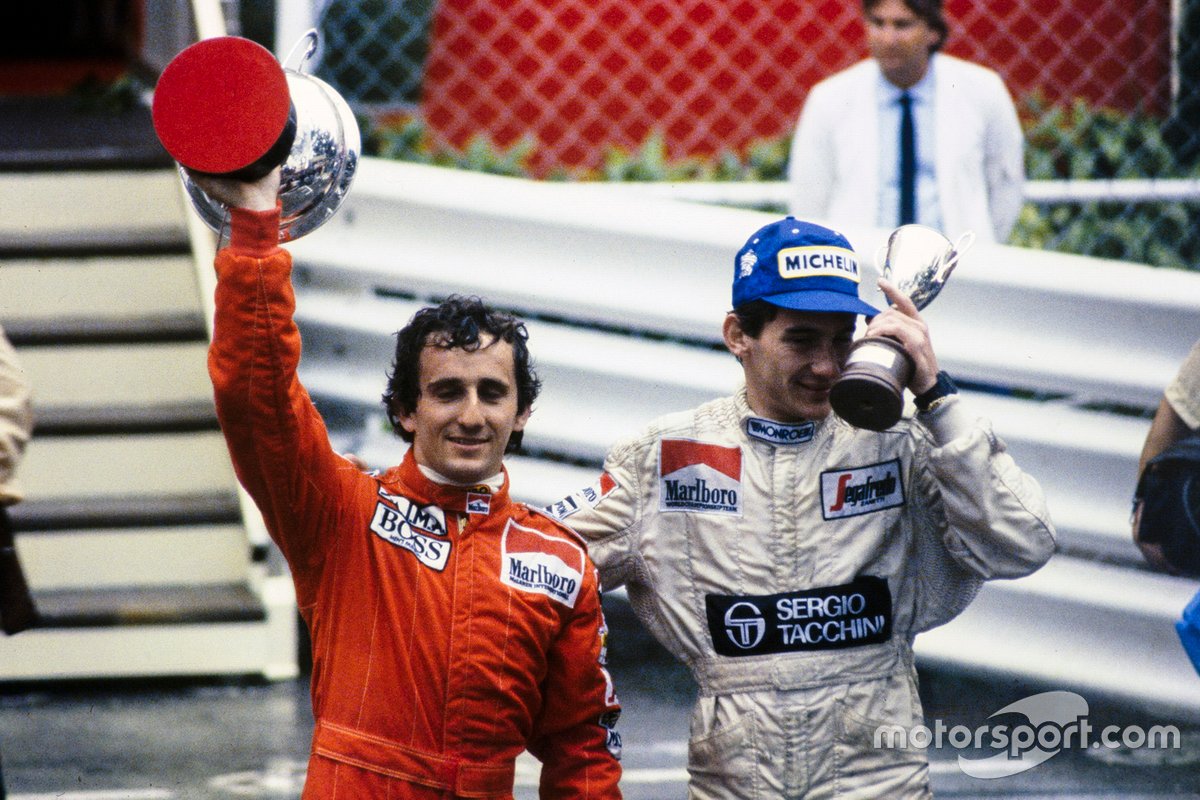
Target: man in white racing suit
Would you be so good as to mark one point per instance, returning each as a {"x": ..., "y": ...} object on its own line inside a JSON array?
[{"x": 788, "y": 558}]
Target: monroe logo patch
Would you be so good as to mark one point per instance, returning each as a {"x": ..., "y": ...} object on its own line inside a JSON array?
[
  {"x": 697, "y": 476},
  {"x": 534, "y": 562},
  {"x": 861, "y": 490},
  {"x": 766, "y": 430}
]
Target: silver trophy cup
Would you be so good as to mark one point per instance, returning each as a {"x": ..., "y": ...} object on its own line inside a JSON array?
[
  {"x": 870, "y": 392},
  {"x": 316, "y": 175}
]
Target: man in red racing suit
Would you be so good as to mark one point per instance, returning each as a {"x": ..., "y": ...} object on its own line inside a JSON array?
[{"x": 452, "y": 628}]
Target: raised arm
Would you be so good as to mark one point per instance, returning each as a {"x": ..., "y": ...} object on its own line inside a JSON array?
[{"x": 277, "y": 441}]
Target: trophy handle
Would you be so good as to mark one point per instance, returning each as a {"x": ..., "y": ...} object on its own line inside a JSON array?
[
  {"x": 960, "y": 246},
  {"x": 309, "y": 40}
]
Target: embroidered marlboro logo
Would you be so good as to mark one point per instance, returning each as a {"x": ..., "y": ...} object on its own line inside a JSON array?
[
  {"x": 535, "y": 562},
  {"x": 701, "y": 477}
]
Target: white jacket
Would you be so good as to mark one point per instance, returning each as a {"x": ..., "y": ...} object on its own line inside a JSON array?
[
  {"x": 833, "y": 171},
  {"x": 791, "y": 566}
]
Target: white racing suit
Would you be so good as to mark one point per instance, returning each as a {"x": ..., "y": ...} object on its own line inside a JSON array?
[{"x": 790, "y": 567}]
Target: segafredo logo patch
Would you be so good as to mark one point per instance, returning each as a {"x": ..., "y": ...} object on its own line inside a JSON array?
[
  {"x": 534, "y": 562},
  {"x": 415, "y": 528},
  {"x": 587, "y": 497},
  {"x": 771, "y": 432},
  {"x": 861, "y": 490},
  {"x": 817, "y": 261},
  {"x": 698, "y": 476}
]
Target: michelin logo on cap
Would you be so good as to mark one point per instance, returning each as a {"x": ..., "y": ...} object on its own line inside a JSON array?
[{"x": 817, "y": 261}]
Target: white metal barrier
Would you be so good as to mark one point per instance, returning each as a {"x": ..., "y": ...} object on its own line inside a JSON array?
[{"x": 625, "y": 294}]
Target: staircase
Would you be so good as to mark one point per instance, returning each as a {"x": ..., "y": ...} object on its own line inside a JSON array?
[{"x": 144, "y": 557}]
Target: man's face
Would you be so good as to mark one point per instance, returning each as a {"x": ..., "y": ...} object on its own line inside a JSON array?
[
  {"x": 899, "y": 41},
  {"x": 466, "y": 410},
  {"x": 791, "y": 366}
]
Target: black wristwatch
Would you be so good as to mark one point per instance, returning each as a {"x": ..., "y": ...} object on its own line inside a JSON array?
[{"x": 930, "y": 398}]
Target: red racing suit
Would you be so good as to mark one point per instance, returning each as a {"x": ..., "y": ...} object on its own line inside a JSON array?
[{"x": 452, "y": 628}]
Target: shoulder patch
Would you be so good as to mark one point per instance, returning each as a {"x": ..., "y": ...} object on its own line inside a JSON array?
[
  {"x": 699, "y": 476},
  {"x": 587, "y": 497},
  {"x": 537, "y": 562}
]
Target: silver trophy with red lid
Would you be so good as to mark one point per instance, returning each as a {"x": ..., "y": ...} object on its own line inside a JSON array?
[{"x": 225, "y": 106}]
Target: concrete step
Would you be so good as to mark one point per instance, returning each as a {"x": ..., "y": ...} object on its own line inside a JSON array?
[
  {"x": 186, "y": 604},
  {"x": 158, "y": 466},
  {"x": 134, "y": 387},
  {"x": 265, "y": 647},
  {"x": 108, "y": 209},
  {"x": 125, "y": 297},
  {"x": 111, "y": 558}
]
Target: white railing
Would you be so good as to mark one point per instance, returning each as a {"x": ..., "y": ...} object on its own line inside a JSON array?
[
  {"x": 625, "y": 294},
  {"x": 776, "y": 193}
]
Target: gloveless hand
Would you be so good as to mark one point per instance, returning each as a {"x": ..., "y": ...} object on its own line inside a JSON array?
[{"x": 903, "y": 323}]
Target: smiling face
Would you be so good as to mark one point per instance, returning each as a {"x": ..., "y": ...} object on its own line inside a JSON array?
[
  {"x": 466, "y": 410},
  {"x": 793, "y": 362},
  {"x": 900, "y": 41}
]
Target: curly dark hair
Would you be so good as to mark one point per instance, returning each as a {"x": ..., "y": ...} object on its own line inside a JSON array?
[{"x": 462, "y": 322}]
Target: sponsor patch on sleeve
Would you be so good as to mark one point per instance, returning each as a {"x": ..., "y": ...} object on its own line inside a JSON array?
[
  {"x": 587, "y": 497},
  {"x": 699, "y": 476},
  {"x": 535, "y": 562},
  {"x": 861, "y": 490},
  {"x": 827, "y": 618}
]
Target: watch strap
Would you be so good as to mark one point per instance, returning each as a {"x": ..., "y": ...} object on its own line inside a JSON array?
[{"x": 944, "y": 387}]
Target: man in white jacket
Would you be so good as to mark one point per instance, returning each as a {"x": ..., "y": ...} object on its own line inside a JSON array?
[
  {"x": 788, "y": 558},
  {"x": 846, "y": 157}
]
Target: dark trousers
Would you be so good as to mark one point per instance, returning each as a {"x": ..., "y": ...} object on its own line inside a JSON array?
[{"x": 17, "y": 611}]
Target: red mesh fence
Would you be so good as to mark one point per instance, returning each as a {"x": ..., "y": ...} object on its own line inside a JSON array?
[{"x": 716, "y": 75}]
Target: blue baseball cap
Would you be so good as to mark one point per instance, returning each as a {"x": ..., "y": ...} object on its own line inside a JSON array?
[{"x": 801, "y": 266}]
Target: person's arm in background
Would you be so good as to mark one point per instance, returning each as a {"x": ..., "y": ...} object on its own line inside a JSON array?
[
  {"x": 17, "y": 611},
  {"x": 1178, "y": 416},
  {"x": 16, "y": 419}
]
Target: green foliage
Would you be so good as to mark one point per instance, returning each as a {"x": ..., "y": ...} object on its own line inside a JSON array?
[
  {"x": 1083, "y": 143},
  {"x": 406, "y": 138}
]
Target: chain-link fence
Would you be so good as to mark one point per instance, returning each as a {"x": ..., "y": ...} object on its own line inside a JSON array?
[{"x": 673, "y": 89}]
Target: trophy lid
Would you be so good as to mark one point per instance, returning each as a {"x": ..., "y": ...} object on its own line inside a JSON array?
[{"x": 221, "y": 105}]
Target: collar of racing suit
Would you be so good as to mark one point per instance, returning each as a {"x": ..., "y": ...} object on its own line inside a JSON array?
[
  {"x": 479, "y": 499},
  {"x": 771, "y": 432}
]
